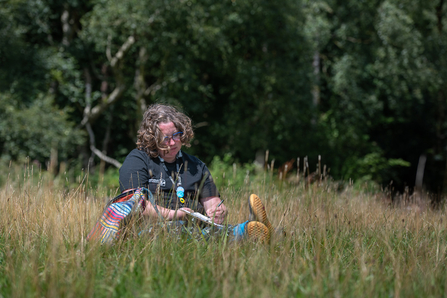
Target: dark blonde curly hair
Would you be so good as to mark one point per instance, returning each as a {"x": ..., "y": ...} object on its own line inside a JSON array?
[{"x": 150, "y": 137}]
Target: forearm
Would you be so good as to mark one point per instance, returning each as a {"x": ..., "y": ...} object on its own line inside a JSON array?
[{"x": 166, "y": 213}]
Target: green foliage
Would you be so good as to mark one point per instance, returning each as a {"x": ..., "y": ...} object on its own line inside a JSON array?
[
  {"x": 107, "y": 181},
  {"x": 205, "y": 56},
  {"x": 344, "y": 80},
  {"x": 227, "y": 173},
  {"x": 33, "y": 131},
  {"x": 377, "y": 81},
  {"x": 375, "y": 167}
]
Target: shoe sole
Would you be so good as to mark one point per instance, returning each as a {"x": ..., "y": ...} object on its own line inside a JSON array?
[
  {"x": 257, "y": 209},
  {"x": 257, "y": 231}
]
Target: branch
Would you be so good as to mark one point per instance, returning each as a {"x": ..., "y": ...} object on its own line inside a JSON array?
[
  {"x": 152, "y": 88},
  {"x": 97, "y": 152},
  {"x": 69, "y": 25},
  {"x": 124, "y": 48},
  {"x": 91, "y": 114},
  {"x": 109, "y": 45}
]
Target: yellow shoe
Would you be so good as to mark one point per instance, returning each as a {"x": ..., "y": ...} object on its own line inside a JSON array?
[
  {"x": 257, "y": 231},
  {"x": 257, "y": 212}
]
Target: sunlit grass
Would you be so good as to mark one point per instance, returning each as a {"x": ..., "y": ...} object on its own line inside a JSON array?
[{"x": 339, "y": 243}]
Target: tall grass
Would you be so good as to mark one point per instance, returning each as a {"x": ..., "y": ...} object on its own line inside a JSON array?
[{"x": 339, "y": 243}]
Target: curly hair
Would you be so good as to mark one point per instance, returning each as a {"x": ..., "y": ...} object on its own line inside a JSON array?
[{"x": 150, "y": 137}]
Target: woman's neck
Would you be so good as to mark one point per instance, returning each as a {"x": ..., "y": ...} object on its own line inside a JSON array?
[{"x": 169, "y": 160}]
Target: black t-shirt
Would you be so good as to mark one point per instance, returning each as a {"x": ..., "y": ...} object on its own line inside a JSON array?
[{"x": 140, "y": 170}]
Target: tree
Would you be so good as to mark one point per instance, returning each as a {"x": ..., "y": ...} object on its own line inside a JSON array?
[
  {"x": 360, "y": 83},
  {"x": 377, "y": 89},
  {"x": 31, "y": 125},
  {"x": 230, "y": 65}
]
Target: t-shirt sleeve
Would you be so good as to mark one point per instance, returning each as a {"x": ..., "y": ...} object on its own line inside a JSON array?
[
  {"x": 134, "y": 171},
  {"x": 209, "y": 188}
]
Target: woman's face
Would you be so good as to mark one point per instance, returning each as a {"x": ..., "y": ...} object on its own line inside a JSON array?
[{"x": 168, "y": 129}]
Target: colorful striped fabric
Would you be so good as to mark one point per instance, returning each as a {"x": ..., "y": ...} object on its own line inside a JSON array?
[{"x": 108, "y": 227}]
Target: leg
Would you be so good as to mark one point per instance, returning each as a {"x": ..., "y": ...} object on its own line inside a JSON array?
[
  {"x": 257, "y": 211},
  {"x": 258, "y": 226}
]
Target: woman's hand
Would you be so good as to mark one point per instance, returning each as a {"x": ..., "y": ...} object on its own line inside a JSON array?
[{"x": 215, "y": 212}]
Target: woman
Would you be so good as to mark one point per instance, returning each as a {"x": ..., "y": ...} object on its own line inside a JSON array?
[{"x": 180, "y": 182}]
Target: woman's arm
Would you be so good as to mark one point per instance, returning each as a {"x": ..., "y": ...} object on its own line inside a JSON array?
[
  {"x": 167, "y": 214},
  {"x": 218, "y": 213}
]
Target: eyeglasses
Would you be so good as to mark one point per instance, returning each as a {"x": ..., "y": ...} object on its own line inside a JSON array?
[{"x": 176, "y": 137}]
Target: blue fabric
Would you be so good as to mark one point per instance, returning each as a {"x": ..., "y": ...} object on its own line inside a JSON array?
[{"x": 239, "y": 230}]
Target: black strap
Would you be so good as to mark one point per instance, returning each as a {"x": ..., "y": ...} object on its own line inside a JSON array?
[
  {"x": 179, "y": 178},
  {"x": 150, "y": 196}
]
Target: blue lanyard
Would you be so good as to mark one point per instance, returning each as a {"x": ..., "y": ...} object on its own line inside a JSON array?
[{"x": 179, "y": 190}]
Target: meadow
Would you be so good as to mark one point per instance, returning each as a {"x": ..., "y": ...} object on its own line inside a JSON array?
[{"x": 342, "y": 240}]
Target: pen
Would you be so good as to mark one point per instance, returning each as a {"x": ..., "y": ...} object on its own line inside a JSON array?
[{"x": 221, "y": 202}]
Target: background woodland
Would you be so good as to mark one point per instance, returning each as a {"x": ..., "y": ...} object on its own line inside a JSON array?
[{"x": 360, "y": 83}]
